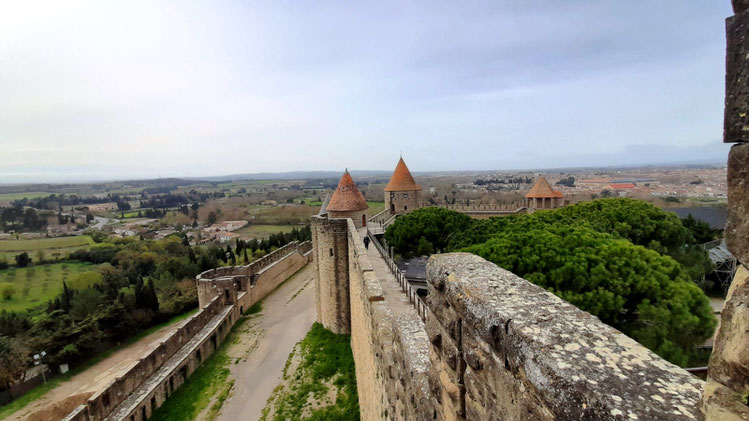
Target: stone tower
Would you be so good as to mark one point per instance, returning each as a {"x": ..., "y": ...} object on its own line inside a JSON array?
[
  {"x": 542, "y": 196},
  {"x": 402, "y": 194},
  {"x": 330, "y": 250},
  {"x": 348, "y": 202},
  {"x": 330, "y": 238}
]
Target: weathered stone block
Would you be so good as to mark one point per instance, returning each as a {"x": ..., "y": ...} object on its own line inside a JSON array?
[
  {"x": 729, "y": 363},
  {"x": 720, "y": 403},
  {"x": 546, "y": 358},
  {"x": 737, "y": 226},
  {"x": 740, "y": 6},
  {"x": 736, "y": 116}
]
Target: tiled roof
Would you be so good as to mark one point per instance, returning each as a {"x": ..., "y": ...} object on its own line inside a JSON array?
[
  {"x": 542, "y": 188},
  {"x": 347, "y": 198},
  {"x": 619, "y": 186},
  {"x": 402, "y": 179}
]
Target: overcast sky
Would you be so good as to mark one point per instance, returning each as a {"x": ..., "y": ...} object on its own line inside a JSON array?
[{"x": 133, "y": 89}]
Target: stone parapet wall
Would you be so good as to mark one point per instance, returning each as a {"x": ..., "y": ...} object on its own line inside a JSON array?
[
  {"x": 213, "y": 282},
  {"x": 503, "y": 348},
  {"x": 107, "y": 399},
  {"x": 258, "y": 264}
]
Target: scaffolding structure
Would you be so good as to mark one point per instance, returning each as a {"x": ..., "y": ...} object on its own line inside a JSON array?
[{"x": 723, "y": 261}]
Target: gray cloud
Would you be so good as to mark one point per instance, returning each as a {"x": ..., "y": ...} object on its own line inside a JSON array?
[{"x": 103, "y": 90}]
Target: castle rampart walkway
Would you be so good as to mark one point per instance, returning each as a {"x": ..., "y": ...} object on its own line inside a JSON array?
[{"x": 396, "y": 299}]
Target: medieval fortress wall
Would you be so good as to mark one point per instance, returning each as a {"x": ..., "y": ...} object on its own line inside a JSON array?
[
  {"x": 224, "y": 294},
  {"x": 493, "y": 344}
]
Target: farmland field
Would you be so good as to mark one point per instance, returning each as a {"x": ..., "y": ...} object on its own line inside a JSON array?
[
  {"x": 263, "y": 231},
  {"x": 35, "y": 285},
  {"x": 62, "y": 245},
  {"x": 9, "y": 197}
]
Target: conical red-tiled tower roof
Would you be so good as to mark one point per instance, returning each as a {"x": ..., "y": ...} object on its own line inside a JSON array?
[
  {"x": 347, "y": 198},
  {"x": 542, "y": 188},
  {"x": 402, "y": 179}
]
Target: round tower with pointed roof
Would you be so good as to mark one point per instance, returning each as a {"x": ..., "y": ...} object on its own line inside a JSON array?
[
  {"x": 402, "y": 194},
  {"x": 348, "y": 202},
  {"x": 542, "y": 196}
]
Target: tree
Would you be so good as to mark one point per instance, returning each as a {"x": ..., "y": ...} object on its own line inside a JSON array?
[
  {"x": 212, "y": 218},
  {"x": 434, "y": 225},
  {"x": 85, "y": 302},
  {"x": 66, "y": 297},
  {"x": 7, "y": 290},
  {"x": 40, "y": 256},
  {"x": 701, "y": 230},
  {"x": 636, "y": 290},
  {"x": 23, "y": 260},
  {"x": 89, "y": 218},
  {"x": 14, "y": 358},
  {"x": 569, "y": 182},
  {"x": 152, "y": 300}
]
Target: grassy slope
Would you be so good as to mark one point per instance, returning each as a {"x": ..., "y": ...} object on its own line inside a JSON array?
[
  {"x": 35, "y": 285},
  {"x": 325, "y": 357},
  {"x": 42, "y": 389}
]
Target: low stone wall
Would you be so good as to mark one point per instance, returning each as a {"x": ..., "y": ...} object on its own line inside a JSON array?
[
  {"x": 103, "y": 402},
  {"x": 501, "y": 345},
  {"x": 258, "y": 264},
  {"x": 253, "y": 278},
  {"x": 154, "y": 392}
]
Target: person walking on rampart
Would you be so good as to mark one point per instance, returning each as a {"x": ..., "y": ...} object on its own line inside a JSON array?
[{"x": 366, "y": 243}]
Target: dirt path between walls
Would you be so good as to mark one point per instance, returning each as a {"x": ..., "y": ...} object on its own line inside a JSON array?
[{"x": 264, "y": 347}]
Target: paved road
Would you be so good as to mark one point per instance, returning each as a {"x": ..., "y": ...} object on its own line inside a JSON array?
[
  {"x": 100, "y": 222},
  {"x": 287, "y": 316}
]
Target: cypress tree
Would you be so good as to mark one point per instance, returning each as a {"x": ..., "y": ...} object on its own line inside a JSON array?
[
  {"x": 152, "y": 300},
  {"x": 65, "y": 299}
]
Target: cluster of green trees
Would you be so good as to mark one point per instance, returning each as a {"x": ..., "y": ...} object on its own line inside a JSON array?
[
  {"x": 19, "y": 219},
  {"x": 55, "y": 201},
  {"x": 623, "y": 260},
  {"x": 569, "y": 182},
  {"x": 142, "y": 283}
]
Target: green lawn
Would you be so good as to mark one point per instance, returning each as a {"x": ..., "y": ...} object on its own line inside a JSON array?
[
  {"x": 35, "y": 285},
  {"x": 61, "y": 245},
  {"x": 263, "y": 231}
]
